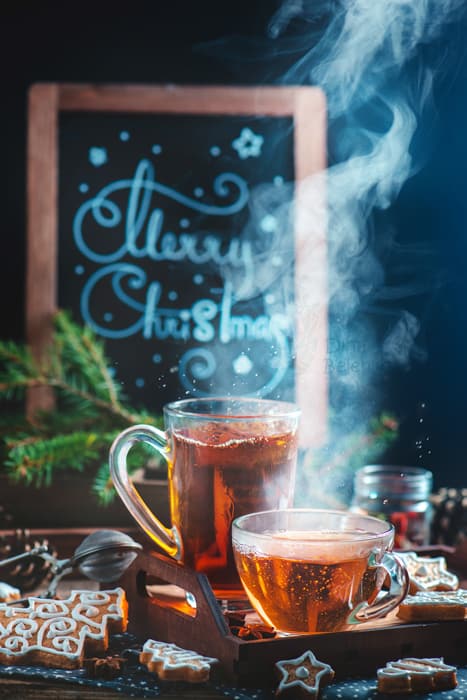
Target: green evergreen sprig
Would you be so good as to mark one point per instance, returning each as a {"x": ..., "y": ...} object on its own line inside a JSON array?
[{"x": 89, "y": 411}]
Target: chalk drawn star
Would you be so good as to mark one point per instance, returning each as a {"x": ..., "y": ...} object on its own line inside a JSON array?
[
  {"x": 304, "y": 673},
  {"x": 97, "y": 156},
  {"x": 248, "y": 144}
]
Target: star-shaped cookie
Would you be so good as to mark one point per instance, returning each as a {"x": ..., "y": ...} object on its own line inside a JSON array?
[
  {"x": 303, "y": 675},
  {"x": 428, "y": 573}
]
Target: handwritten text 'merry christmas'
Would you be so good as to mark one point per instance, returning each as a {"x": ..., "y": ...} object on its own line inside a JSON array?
[{"x": 141, "y": 236}]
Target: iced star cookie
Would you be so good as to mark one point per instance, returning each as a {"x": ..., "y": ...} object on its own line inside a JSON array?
[
  {"x": 60, "y": 633},
  {"x": 428, "y": 573},
  {"x": 303, "y": 676},
  {"x": 434, "y": 605},
  {"x": 172, "y": 663},
  {"x": 416, "y": 676}
]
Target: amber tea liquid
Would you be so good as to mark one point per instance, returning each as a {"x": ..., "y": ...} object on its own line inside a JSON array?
[
  {"x": 297, "y": 594},
  {"x": 219, "y": 472}
]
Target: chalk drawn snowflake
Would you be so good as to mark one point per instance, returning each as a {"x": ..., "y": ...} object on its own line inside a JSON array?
[{"x": 248, "y": 144}]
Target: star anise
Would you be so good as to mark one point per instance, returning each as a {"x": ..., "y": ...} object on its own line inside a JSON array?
[
  {"x": 106, "y": 667},
  {"x": 250, "y": 632}
]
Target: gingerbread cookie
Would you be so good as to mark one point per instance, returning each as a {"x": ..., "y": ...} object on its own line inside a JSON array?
[
  {"x": 434, "y": 605},
  {"x": 8, "y": 593},
  {"x": 416, "y": 676},
  {"x": 59, "y": 633},
  {"x": 172, "y": 663},
  {"x": 303, "y": 676},
  {"x": 428, "y": 573}
]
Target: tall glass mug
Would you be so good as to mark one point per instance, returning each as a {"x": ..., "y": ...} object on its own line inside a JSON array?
[
  {"x": 308, "y": 571},
  {"x": 226, "y": 457}
]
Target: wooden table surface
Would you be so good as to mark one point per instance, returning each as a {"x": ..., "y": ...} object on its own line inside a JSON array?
[{"x": 37, "y": 690}]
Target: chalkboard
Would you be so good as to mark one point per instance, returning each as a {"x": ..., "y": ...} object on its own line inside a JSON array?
[{"x": 170, "y": 220}]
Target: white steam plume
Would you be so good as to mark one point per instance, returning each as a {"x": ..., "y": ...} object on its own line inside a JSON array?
[
  {"x": 371, "y": 59},
  {"x": 369, "y": 62}
]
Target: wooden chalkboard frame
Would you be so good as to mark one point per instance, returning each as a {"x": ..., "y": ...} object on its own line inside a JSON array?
[{"x": 307, "y": 107}]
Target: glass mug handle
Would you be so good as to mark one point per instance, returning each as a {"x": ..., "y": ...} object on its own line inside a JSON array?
[
  {"x": 167, "y": 538},
  {"x": 392, "y": 568}
]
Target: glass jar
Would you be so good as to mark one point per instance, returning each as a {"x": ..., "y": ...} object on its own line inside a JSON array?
[{"x": 400, "y": 495}]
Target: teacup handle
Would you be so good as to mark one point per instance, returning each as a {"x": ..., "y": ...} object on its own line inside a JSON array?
[
  {"x": 167, "y": 538},
  {"x": 393, "y": 568}
]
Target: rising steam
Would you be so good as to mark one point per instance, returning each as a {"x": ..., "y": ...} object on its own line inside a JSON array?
[{"x": 369, "y": 57}]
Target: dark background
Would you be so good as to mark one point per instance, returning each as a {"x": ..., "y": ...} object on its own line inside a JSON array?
[{"x": 156, "y": 43}]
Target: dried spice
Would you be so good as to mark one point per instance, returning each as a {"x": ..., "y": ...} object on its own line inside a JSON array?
[{"x": 106, "y": 667}]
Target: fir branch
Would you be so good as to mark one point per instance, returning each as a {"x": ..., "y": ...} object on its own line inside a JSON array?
[
  {"x": 138, "y": 457},
  {"x": 18, "y": 370},
  {"x": 88, "y": 416},
  {"x": 103, "y": 486},
  {"x": 78, "y": 349},
  {"x": 33, "y": 459}
]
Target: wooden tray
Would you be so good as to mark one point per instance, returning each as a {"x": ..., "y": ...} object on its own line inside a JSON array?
[{"x": 168, "y": 617}]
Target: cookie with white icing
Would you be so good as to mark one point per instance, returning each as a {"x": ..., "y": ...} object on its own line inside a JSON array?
[
  {"x": 8, "y": 593},
  {"x": 434, "y": 605},
  {"x": 303, "y": 676},
  {"x": 412, "y": 675},
  {"x": 428, "y": 573},
  {"x": 172, "y": 663},
  {"x": 60, "y": 633}
]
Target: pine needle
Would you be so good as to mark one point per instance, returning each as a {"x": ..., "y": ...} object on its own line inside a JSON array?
[{"x": 88, "y": 415}]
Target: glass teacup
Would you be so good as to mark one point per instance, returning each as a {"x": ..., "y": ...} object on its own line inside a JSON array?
[{"x": 309, "y": 570}]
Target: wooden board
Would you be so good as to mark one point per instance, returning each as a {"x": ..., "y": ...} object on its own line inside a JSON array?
[{"x": 205, "y": 629}]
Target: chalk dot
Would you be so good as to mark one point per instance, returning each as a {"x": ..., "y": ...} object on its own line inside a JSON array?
[
  {"x": 156, "y": 358},
  {"x": 84, "y": 187},
  {"x": 276, "y": 261},
  {"x": 135, "y": 283},
  {"x": 198, "y": 279},
  {"x": 172, "y": 296},
  {"x": 185, "y": 315},
  {"x": 268, "y": 223},
  {"x": 278, "y": 180},
  {"x": 198, "y": 191},
  {"x": 139, "y": 382},
  {"x": 156, "y": 149},
  {"x": 124, "y": 136},
  {"x": 215, "y": 151},
  {"x": 108, "y": 316},
  {"x": 269, "y": 298},
  {"x": 184, "y": 223},
  {"x": 79, "y": 269},
  {"x": 242, "y": 364},
  {"x": 97, "y": 156}
]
